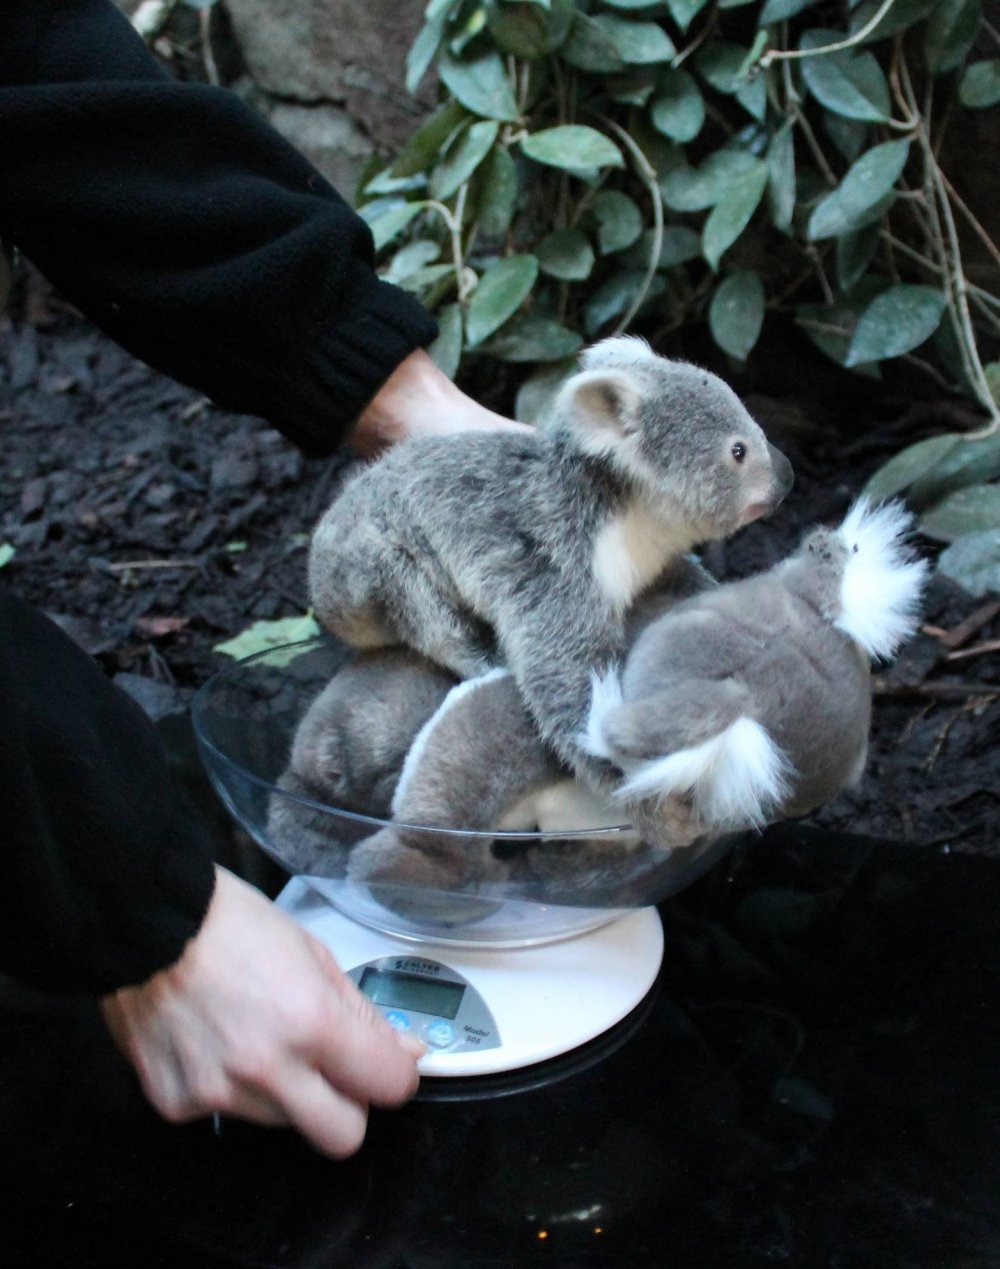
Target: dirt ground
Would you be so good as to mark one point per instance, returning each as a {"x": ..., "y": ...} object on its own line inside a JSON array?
[{"x": 153, "y": 526}]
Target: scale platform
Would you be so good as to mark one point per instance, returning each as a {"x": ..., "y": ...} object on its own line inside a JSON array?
[{"x": 485, "y": 1010}]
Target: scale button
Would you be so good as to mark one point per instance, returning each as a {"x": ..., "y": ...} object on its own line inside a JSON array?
[
  {"x": 398, "y": 1020},
  {"x": 439, "y": 1033}
]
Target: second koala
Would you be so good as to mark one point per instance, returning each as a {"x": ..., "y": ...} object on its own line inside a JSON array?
[{"x": 501, "y": 549}]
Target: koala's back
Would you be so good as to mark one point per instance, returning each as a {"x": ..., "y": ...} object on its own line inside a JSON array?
[
  {"x": 810, "y": 684},
  {"x": 475, "y": 514}
]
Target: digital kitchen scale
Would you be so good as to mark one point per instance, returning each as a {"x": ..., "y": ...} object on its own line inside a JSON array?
[
  {"x": 556, "y": 948},
  {"x": 481, "y": 1010}
]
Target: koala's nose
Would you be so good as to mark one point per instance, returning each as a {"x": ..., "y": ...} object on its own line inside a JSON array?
[{"x": 784, "y": 477}]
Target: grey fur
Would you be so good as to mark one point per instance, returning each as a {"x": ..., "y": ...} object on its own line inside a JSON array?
[
  {"x": 348, "y": 753},
  {"x": 479, "y": 549},
  {"x": 768, "y": 649}
]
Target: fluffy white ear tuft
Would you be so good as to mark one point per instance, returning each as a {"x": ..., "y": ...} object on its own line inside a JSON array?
[
  {"x": 736, "y": 780},
  {"x": 605, "y": 695},
  {"x": 618, "y": 351},
  {"x": 882, "y": 583},
  {"x": 601, "y": 408}
]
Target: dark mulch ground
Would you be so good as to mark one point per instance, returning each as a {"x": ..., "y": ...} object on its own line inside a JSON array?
[{"x": 154, "y": 526}]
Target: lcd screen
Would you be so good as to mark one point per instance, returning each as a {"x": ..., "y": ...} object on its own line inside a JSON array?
[{"x": 407, "y": 991}]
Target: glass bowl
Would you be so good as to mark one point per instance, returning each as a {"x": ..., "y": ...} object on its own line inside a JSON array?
[{"x": 527, "y": 887}]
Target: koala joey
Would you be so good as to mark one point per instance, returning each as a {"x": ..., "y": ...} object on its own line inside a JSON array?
[
  {"x": 393, "y": 735},
  {"x": 526, "y": 551},
  {"x": 753, "y": 700}
]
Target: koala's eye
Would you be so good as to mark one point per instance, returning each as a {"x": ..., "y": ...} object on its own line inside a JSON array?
[{"x": 739, "y": 451}]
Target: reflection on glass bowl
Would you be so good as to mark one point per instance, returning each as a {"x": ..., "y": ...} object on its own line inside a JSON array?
[{"x": 525, "y": 887}]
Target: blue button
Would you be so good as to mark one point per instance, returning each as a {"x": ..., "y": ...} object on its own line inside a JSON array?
[
  {"x": 398, "y": 1020},
  {"x": 439, "y": 1033}
]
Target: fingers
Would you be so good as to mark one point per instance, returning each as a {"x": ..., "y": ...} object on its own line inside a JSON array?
[{"x": 365, "y": 1057}]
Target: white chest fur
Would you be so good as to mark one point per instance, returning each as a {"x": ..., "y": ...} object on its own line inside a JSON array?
[{"x": 631, "y": 550}]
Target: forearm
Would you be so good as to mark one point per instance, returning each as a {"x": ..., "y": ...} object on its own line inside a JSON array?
[
  {"x": 103, "y": 880},
  {"x": 184, "y": 225}
]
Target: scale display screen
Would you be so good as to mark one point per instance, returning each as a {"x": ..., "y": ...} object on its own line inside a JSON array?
[{"x": 406, "y": 991}]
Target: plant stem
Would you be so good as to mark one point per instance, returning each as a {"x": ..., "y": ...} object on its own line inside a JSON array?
[
  {"x": 980, "y": 232},
  {"x": 648, "y": 175},
  {"x": 783, "y": 55}
]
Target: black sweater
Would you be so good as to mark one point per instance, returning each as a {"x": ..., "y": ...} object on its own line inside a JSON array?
[{"x": 182, "y": 224}]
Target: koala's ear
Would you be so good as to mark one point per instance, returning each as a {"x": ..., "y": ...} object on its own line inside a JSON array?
[{"x": 601, "y": 407}]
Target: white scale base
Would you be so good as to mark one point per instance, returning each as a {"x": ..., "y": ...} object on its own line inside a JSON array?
[{"x": 542, "y": 1001}]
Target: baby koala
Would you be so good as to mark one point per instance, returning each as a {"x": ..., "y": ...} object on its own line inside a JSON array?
[
  {"x": 752, "y": 700},
  {"x": 502, "y": 549}
]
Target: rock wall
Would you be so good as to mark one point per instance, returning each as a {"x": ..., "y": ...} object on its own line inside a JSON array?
[
  {"x": 329, "y": 74},
  {"x": 333, "y": 75}
]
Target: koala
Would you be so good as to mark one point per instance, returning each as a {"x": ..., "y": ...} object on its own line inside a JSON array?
[
  {"x": 753, "y": 700},
  {"x": 348, "y": 753},
  {"x": 392, "y": 735},
  {"x": 500, "y": 549}
]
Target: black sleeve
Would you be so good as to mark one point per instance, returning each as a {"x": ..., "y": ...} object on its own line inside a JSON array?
[
  {"x": 186, "y": 227},
  {"x": 102, "y": 878}
]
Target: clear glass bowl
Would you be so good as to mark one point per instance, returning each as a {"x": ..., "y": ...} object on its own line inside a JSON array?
[{"x": 537, "y": 887}]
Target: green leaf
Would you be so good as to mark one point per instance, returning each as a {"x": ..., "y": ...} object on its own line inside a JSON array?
[
  {"x": 722, "y": 64},
  {"x": 779, "y": 10},
  {"x": 752, "y": 96},
  {"x": 849, "y": 135},
  {"x": 263, "y": 635},
  {"x": 529, "y": 30},
  {"x": 908, "y": 466},
  {"x": 421, "y": 151},
  {"x": 971, "y": 510},
  {"x": 966, "y": 463},
  {"x": 410, "y": 258},
  {"x": 679, "y": 244},
  {"x": 678, "y": 109},
  {"x": 855, "y": 252},
  {"x": 980, "y": 86},
  {"x": 7, "y": 553},
  {"x": 634, "y": 6},
  {"x": 848, "y": 83},
  {"x": 974, "y": 562},
  {"x": 895, "y": 322},
  {"x": 866, "y": 186},
  {"x": 463, "y": 158},
  {"x": 480, "y": 84},
  {"x": 566, "y": 254},
  {"x": 496, "y": 192},
  {"x": 684, "y": 12},
  {"x": 616, "y": 295},
  {"x": 388, "y": 224},
  {"x": 693, "y": 189},
  {"x": 446, "y": 350},
  {"x": 619, "y": 221},
  {"x": 950, "y": 32},
  {"x": 535, "y": 396},
  {"x": 736, "y": 313},
  {"x": 421, "y": 54},
  {"x": 902, "y": 14},
  {"x": 634, "y": 87},
  {"x": 829, "y": 326},
  {"x": 502, "y": 289},
  {"x": 638, "y": 43},
  {"x": 533, "y": 339},
  {"x": 572, "y": 146},
  {"x": 591, "y": 49},
  {"x": 828, "y": 219},
  {"x": 732, "y": 213},
  {"x": 781, "y": 176}
]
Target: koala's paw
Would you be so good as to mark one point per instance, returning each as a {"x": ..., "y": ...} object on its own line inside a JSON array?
[
  {"x": 670, "y": 824},
  {"x": 427, "y": 886}
]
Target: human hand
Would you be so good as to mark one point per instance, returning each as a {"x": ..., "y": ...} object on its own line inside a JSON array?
[
  {"x": 256, "y": 1020},
  {"x": 419, "y": 400}
]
